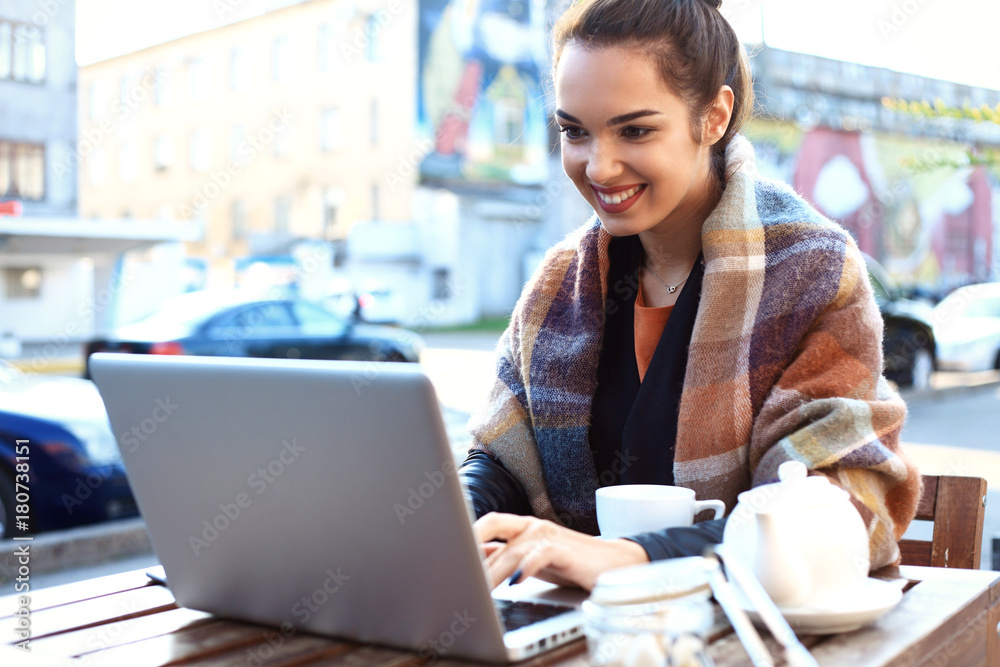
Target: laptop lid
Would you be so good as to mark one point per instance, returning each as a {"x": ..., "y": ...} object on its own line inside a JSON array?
[{"x": 319, "y": 494}]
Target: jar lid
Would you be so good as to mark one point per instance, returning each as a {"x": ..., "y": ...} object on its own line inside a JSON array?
[{"x": 653, "y": 582}]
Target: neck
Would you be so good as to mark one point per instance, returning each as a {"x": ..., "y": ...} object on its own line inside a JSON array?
[{"x": 671, "y": 250}]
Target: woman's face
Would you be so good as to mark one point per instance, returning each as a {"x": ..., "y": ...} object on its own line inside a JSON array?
[{"x": 627, "y": 144}]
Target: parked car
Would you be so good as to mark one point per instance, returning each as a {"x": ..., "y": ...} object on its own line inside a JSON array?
[
  {"x": 967, "y": 327},
  {"x": 57, "y": 453},
  {"x": 228, "y": 325},
  {"x": 908, "y": 344}
]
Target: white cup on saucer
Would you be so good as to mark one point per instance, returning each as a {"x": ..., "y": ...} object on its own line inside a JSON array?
[{"x": 630, "y": 509}]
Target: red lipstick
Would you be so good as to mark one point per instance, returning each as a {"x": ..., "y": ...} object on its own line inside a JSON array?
[{"x": 622, "y": 206}]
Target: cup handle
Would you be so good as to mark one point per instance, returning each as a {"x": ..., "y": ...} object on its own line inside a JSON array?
[{"x": 716, "y": 506}]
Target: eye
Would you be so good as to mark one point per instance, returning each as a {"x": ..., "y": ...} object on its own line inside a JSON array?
[
  {"x": 572, "y": 132},
  {"x": 632, "y": 132}
]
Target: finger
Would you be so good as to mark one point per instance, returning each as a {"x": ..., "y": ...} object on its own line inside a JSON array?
[
  {"x": 499, "y": 526},
  {"x": 491, "y": 548},
  {"x": 542, "y": 554}
]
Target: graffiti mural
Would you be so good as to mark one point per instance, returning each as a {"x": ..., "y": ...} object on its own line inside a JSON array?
[
  {"x": 481, "y": 67},
  {"x": 929, "y": 227}
]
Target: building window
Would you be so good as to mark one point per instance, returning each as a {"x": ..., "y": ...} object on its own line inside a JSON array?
[
  {"x": 239, "y": 69},
  {"x": 97, "y": 102},
  {"x": 22, "y": 171},
  {"x": 97, "y": 167},
  {"x": 239, "y": 218},
  {"x": 329, "y": 36},
  {"x": 237, "y": 137},
  {"x": 332, "y": 200},
  {"x": 509, "y": 122},
  {"x": 163, "y": 90},
  {"x": 128, "y": 161},
  {"x": 441, "y": 290},
  {"x": 127, "y": 87},
  {"x": 22, "y": 52},
  {"x": 329, "y": 130},
  {"x": 283, "y": 139},
  {"x": 282, "y": 62},
  {"x": 282, "y": 214},
  {"x": 373, "y": 112},
  {"x": 198, "y": 72},
  {"x": 201, "y": 149},
  {"x": 373, "y": 49},
  {"x": 163, "y": 152},
  {"x": 23, "y": 283},
  {"x": 376, "y": 203}
]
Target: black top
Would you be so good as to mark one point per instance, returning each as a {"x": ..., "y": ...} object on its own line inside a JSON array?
[{"x": 633, "y": 426}]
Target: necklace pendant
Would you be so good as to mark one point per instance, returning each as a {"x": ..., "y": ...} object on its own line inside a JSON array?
[{"x": 671, "y": 290}]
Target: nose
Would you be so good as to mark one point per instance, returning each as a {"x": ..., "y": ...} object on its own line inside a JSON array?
[{"x": 603, "y": 163}]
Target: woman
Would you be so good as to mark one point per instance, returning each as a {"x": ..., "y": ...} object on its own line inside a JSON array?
[{"x": 707, "y": 327}]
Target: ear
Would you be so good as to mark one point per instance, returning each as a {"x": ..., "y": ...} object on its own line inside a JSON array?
[{"x": 718, "y": 117}]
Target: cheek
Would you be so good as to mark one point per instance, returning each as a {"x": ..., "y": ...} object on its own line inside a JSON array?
[{"x": 574, "y": 163}]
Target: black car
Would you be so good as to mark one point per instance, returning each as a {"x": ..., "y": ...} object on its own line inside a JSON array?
[
  {"x": 908, "y": 341},
  {"x": 59, "y": 465},
  {"x": 214, "y": 324}
]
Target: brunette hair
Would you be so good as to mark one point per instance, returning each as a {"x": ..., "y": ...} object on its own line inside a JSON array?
[{"x": 694, "y": 47}]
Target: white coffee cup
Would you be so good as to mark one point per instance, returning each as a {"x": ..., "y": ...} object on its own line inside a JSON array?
[{"x": 630, "y": 509}]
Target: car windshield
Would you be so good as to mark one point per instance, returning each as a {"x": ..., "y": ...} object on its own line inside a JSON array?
[
  {"x": 986, "y": 307},
  {"x": 186, "y": 311}
]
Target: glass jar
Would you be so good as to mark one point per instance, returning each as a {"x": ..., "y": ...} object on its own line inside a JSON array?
[{"x": 656, "y": 614}]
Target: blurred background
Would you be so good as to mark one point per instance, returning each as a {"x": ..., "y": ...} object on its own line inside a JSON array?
[{"x": 393, "y": 163}]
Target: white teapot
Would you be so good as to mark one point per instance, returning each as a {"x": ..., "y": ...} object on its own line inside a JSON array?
[{"x": 802, "y": 538}]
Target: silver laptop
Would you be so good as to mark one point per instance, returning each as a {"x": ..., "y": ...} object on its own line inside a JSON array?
[{"x": 319, "y": 495}]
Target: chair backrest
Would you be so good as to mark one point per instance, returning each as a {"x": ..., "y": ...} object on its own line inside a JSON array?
[{"x": 957, "y": 506}]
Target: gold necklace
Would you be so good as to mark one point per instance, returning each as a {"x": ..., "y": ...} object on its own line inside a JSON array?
[{"x": 670, "y": 289}]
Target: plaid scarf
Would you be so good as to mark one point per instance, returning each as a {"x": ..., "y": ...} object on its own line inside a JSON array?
[{"x": 784, "y": 363}]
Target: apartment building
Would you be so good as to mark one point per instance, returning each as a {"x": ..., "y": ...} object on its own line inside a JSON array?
[{"x": 295, "y": 124}]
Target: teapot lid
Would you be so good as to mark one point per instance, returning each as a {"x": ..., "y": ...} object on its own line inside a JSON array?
[
  {"x": 795, "y": 486},
  {"x": 652, "y": 582}
]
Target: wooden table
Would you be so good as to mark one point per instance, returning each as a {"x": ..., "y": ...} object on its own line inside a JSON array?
[{"x": 948, "y": 618}]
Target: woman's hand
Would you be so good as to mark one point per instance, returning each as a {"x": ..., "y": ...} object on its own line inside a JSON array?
[{"x": 543, "y": 549}]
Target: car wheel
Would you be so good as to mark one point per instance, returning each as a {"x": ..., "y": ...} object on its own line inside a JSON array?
[
  {"x": 921, "y": 369},
  {"x": 6, "y": 506}
]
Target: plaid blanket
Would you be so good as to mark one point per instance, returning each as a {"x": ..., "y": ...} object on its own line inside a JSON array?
[{"x": 784, "y": 364}]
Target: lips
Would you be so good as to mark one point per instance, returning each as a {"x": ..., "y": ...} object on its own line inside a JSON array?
[{"x": 617, "y": 200}]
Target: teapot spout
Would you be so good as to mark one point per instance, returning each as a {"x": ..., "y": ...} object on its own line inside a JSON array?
[{"x": 779, "y": 563}]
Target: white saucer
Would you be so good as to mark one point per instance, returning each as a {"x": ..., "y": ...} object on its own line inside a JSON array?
[{"x": 869, "y": 601}]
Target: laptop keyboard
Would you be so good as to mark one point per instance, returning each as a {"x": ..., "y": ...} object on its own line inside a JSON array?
[{"x": 518, "y": 613}]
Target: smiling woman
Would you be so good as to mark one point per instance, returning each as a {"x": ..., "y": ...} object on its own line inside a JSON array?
[{"x": 705, "y": 327}]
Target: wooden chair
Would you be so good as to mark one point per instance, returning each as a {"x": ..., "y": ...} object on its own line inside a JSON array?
[{"x": 956, "y": 505}]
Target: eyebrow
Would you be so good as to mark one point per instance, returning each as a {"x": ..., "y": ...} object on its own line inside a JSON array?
[{"x": 617, "y": 120}]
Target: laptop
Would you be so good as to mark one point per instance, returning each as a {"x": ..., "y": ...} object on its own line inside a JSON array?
[{"x": 320, "y": 496}]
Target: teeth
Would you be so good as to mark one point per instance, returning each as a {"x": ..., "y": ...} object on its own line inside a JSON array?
[{"x": 618, "y": 197}]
